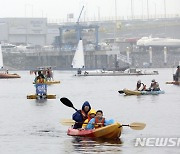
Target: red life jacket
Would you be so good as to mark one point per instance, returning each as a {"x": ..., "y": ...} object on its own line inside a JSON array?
[
  {"x": 84, "y": 115},
  {"x": 99, "y": 123}
]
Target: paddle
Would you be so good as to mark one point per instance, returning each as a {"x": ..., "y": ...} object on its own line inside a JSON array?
[
  {"x": 134, "y": 125},
  {"x": 121, "y": 91},
  {"x": 67, "y": 102}
]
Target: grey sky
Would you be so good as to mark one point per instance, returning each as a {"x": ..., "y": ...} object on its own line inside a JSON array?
[{"x": 58, "y": 9}]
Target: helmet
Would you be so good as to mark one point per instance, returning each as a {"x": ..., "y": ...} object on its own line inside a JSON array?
[
  {"x": 139, "y": 81},
  {"x": 92, "y": 111},
  {"x": 153, "y": 80}
]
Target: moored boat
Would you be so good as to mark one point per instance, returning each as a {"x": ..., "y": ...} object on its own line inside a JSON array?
[
  {"x": 128, "y": 72},
  {"x": 7, "y": 76},
  {"x": 109, "y": 132},
  {"x": 173, "y": 82}
]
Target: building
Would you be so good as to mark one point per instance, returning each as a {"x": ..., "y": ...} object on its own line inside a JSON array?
[{"x": 24, "y": 30}]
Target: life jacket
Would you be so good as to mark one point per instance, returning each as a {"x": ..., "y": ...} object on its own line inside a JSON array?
[
  {"x": 143, "y": 86},
  {"x": 84, "y": 115},
  {"x": 99, "y": 123},
  {"x": 40, "y": 80},
  {"x": 154, "y": 85}
]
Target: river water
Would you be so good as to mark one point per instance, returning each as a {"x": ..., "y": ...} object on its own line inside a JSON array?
[{"x": 32, "y": 127}]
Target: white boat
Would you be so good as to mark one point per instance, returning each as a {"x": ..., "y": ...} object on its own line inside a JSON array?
[
  {"x": 159, "y": 42},
  {"x": 6, "y": 75}
]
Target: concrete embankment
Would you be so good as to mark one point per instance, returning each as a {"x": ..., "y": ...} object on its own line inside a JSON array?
[{"x": 93, "y": 60}]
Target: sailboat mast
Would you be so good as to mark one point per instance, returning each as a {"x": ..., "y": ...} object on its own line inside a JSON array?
[{"x": 1, "y": 57}]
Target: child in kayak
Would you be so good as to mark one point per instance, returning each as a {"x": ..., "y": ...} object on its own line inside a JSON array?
[
  {"x": 91, "y": 114},
  {"x": 99, "y": 121}
]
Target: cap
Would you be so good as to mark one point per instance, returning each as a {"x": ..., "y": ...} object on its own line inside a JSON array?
[{"x": 92, "y": 111}]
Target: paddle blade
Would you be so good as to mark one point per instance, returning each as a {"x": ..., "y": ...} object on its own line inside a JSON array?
[
  {"x": 66, "y": 102},
  {"x": 137, "y": 125},
  {"x": 121, "y": 91},
  {"x": 67, "y": 122}
]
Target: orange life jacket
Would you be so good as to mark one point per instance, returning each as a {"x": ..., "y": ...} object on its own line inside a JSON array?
[
  {"x": 99, "y": 123},
  {"x": 40, "y": 80}
]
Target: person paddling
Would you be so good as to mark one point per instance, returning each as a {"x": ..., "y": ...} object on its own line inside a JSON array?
[
  {"x": 154, "y": 86},
  {"x": 81, "y": 115},
  {"x": 40, "y": 76},
  {"x": 140, "y": 86},
  {"x": 99, "y": 121},
  {"x": 177, "y": 74}
]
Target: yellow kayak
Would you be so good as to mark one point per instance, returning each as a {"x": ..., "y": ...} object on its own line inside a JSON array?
[
  {"x": 131, "y": 92},
  {"x": 34, "y": 96},
  {"x": 52, "y": 82},
  {"x": 109, "y": 132}
]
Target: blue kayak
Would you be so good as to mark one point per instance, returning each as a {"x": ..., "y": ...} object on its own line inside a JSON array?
[{"x": 152, "y": 92}]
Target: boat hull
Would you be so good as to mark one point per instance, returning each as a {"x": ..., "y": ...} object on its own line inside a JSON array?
[
  {"x": 114, "y": 73},
  {"x": 8, "y": 76},
  {"x": 152, "y": 92},
  {"x": 173, "y": 82},
  {"x": 134, "y": 92},
  {"x": 131, "y": 92},
  {"x": 108, "y": 132},
  {"x": 34, "y": 96}
]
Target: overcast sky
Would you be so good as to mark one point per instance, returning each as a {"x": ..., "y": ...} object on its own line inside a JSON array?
[{"x": 58, "y": 9}]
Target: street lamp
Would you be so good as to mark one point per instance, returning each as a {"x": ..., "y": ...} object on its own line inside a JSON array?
[
  {"x": 148, "y": 9},
  {"x": 164, "y": 8},
  {"x": 132, "y": 10}
]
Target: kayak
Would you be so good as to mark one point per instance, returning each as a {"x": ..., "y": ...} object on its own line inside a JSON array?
[
  {"x": 50, "y": 82},
  {"x": 135, "y": 92},
  {"x": 34, "y": 96},
  {"x": 173, "y": 82},
  {"x": 109, "y": 132}
]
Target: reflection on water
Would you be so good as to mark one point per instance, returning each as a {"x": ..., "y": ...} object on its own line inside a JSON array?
[
  {"x": 41, "y": 102},
  {"x": 95, "y": 145}
]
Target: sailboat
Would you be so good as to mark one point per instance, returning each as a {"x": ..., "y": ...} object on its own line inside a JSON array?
[
  {"x": 78, "y": 60},
  {"x": 6, "y": 75}
]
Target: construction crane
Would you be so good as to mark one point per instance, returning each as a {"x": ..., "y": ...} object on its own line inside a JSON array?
[{"x": 78, "y": 27}]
